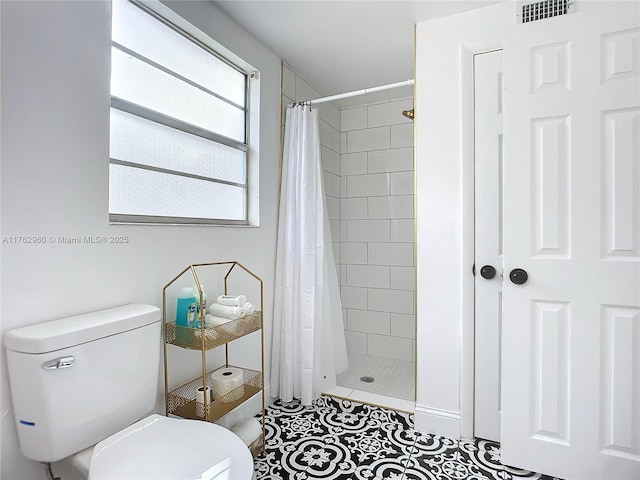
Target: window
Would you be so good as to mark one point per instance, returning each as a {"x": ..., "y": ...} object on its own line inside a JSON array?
[{"x": 179, "y": 125}]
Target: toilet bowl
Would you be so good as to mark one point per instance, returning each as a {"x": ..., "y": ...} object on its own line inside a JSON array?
[{"x": 159, "y": 447}]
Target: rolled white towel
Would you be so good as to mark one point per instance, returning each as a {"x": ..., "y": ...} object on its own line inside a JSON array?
[
  {"x": 214, "y": 321},
  {"x": 248, "y": 308},
  {"x": 248, "y": 430},
  {"x": 231, "y": 300},
  {"x": 227, "y": 311}
]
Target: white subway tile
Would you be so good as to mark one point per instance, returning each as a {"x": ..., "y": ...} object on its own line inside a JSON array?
[
  {"x": 403, "y": 231},
  {"x": 369, "y": 139},
  {"x": 330, "y": 114},
  {"x": 353, "y": 163},
  {"x": 335, "y": 140},
  {"x": 334, "y": 226},
  {"x": 368, "y": 322},
  {"x": 354, "y": 297},
  {"x": 304, "y": 91},
  {"x": 392, "y": 160},
  {"x": 368, "y": 185},
  {"x": 403, "y": 325},
  {"x": 403, "y": 278},
  {"x": 343, "y": 187},
  {"x": 368, "y": 276},
  {"x": 288, "y": 83},
  {"x": 402, "y": 183},
  {"x": 353, "y": 119},
  {"x": 402, "y": 135},
  {"x": 343, "y": 231},
  {"x": 353, "y": 253},
  {"x": 356, "y": 342},
  {"x": 286, "y": 101},
  {"x": 325, "y": 134},
  {"x": 354, "y": 209},
  {"x": 333, "y": 207},
  {"x": 394, "y": 301},
  {"x": 343, "y": 273},
  {"x": 400, "y": 254},
  {"x": 388, "y": 113},
  {"x": 390, "y": 347},
  {"x": 391, "y": 206},
  {"x": 367, "y": 230},
  {"x": 331, "y": 184},
  {"x": 336, "y": 252},
  {"x": 343, "y": 142},
  {"x": 330, "y": 160}
]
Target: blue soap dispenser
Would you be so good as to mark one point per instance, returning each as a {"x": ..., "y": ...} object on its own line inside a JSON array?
[{"x": 186, "y": 310}]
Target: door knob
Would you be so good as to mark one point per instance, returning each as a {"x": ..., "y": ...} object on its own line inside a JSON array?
[
  {"x": 518, "y": 276},
  {"x": 488, "y": 272}
]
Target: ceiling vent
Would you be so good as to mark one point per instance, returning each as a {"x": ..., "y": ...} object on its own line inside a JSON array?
[{"x": 532, "y": 12}]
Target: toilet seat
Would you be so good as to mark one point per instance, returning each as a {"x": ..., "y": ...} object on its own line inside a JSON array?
[{"x": 159, "y": 447}]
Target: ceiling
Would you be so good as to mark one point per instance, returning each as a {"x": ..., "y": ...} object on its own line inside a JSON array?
[{"x": 340, "y": 46}]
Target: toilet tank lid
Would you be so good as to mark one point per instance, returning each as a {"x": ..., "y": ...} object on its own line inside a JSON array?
[{"x": 66, "y": 332}]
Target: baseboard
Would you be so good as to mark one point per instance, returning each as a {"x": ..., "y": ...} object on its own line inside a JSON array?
[{"x": 437, "y": 421}]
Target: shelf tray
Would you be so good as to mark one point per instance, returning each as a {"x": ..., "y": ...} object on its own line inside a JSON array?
[
  {"x": 182, "y": 400},
  {"x": 257, "y": 446},
  {"x": 193, "y": 339}
]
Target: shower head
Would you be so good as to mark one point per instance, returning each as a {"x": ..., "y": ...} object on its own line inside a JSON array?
[{"x": 408, "y": 113}]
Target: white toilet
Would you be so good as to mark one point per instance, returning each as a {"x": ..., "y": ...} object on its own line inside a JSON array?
[{"x": 83, "y": 387}]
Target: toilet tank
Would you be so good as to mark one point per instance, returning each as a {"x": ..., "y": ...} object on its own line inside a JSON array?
[{"x": 77, "y": 380}]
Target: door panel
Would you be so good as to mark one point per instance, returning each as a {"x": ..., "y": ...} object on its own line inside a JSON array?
[
  {"x": 488, "y": 242},
  {"x": 571, "y": 333},
  {"x": 620, "y": 228}
]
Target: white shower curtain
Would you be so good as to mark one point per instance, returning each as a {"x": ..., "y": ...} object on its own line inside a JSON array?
[{"x": 305, "y": 278}]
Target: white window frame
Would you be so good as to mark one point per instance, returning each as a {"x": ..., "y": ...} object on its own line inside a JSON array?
[{"x": 252, "y": 115}]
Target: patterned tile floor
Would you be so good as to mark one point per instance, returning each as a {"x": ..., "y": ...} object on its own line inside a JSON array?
[{"x": 343, "y": 440}]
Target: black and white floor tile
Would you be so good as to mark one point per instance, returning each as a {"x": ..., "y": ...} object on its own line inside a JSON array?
[{"x": 342, "y": 440}]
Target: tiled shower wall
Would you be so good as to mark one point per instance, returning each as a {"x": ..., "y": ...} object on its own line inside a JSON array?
[
  {"x": 367, "y": 162},
  {"x": 377, "y": 211},
  {"x": 294, "y": 88}
]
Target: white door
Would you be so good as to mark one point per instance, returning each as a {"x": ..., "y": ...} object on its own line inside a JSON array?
[
  {"x": 571, "y": 333},
  {"x": 488, "y": 242}
]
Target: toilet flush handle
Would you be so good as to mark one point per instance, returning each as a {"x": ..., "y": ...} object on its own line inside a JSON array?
[{"x": 62, "y": 362}]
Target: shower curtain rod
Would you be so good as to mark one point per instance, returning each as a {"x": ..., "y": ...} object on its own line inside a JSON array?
[{"x": 355, "y": 93}]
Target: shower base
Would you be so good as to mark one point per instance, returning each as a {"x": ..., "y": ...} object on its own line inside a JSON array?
[{"x": 393, "y": 382}]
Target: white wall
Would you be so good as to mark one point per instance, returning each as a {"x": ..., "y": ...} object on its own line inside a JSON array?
[
  {"x": 55, "y": 158},
  {"x": 377, "y": 250},
  {"x": 444, "y": 205}
]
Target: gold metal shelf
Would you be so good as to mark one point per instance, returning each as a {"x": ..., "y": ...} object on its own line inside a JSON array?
[
  {"x": 182, "y": 400},
  {"x": 257, "y": 447},
  {"x": 192, "y": 338}
]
